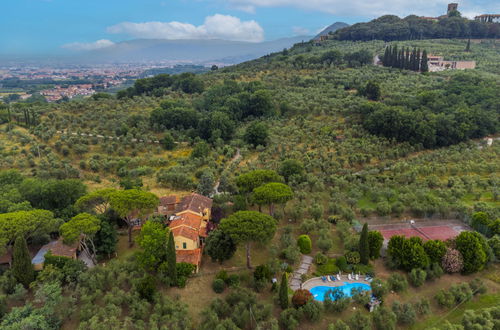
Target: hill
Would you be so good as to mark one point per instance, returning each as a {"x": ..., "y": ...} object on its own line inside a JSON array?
[
  {"x": 186, "y": 51},
  {"x": 354, "y": 141},
  {"x": 331, "y": 28}
]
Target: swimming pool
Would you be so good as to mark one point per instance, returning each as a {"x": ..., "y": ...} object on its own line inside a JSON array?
[{"x": 318, "y": 292}]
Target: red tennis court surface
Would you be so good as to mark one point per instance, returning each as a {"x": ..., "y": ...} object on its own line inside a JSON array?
[
  {"x": 426, "y": 233},
  {"x": 425, "y": 229}
]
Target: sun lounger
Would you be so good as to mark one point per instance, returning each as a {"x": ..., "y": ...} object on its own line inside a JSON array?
[
  {"x": 338, "y": 277},
  {"x": 349, "y": 277},
  {"x": 323, "y": 278},
  {"x": 357, "y": 277},
  {"x": 328, "y": 278},
  {"x": 332, "y": 278}
]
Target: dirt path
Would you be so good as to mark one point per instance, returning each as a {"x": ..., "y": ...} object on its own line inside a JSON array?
[{"x": 236, "y": 157}]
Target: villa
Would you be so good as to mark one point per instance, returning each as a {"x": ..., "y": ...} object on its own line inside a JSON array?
[
  {"x": 188, "y": 219},
  {"x": 56, "y": 248}
]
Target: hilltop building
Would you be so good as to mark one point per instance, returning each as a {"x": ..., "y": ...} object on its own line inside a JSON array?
[
  {"x": 189, "y": 220},
  {"x": 437, "y": 63},
  {"x": 488, "y": 18},
  {"x": 451, "y": 7}
]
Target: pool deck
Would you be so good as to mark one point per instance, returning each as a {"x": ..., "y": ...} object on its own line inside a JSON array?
[{"x": 317, "y": 281}]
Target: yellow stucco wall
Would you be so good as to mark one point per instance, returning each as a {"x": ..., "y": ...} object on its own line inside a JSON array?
[{"x": 190, "y": 244}]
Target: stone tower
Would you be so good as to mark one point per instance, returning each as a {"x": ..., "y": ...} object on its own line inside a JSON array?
[{"x": 452, "y": 7}]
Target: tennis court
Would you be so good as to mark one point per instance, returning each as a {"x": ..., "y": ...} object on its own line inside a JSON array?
[{"x": 426, "y": 230}]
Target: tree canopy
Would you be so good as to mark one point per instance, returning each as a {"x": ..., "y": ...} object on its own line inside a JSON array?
[{"x": 249, "y": 226}]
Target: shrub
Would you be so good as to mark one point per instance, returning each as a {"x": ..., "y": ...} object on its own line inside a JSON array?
[
  {"x": 233, "y": 280},
  {"x": 301, "y": 297},
  {"x": 423, "y": 307},
  {"x": 320, "y": 259},
  {"x": 445, "y": 299},
  {"x": 312, "y": 310},
  {"x": 336, "y": 301},
  {"x": 262, "y": 273},
  {"x": 462, "y": 292},
  {"x": 405, "y": 313},
  {"x": 3, "y": 306},
  {"x": 417, "y": 277},
  {"x": 324, "y": 243},
  {"x": 328, "y": 268},
  {"x": 472, "y": 247},
  {"x": 291, "y": 254},
  {"x": 397, "y": 282},
  {"x": 185, "y": 269},
  {"x": 375, "y": 241},
  {"x": 342, "y": 263},
  {"x": 289, "y": 319},
  {"x": 360, "y": 321},
  {"x": 222, "y": 275},
  {"x": 218, "y": 285},
  {"x": 352, "y": 257},
  {"x": 379, "y": 288},
  {"x": 477, "y": 286},
  {"x": 434, "y": 271},
  {"x": 435, "y": 249},
  {"x": 146, "y": 287},
  {"x": 304, "y": 243},
  {"x": 360, "y": 297},
  {"x": 384, "y": 319},
  {"x": 452, "y": 261},
  {"x": 457, "y": 293}
]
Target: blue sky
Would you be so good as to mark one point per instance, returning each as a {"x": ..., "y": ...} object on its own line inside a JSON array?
[{"x": 51, "y": 26}]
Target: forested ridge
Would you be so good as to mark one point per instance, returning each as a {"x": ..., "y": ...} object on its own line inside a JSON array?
[
  {"x": 391, "y": 28},
  {"x": 316, "y": 137}
]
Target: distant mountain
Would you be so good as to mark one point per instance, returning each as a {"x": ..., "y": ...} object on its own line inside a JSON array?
[
  {"x": 187, "y": 51},
  {"x": 332, "y": 28}
]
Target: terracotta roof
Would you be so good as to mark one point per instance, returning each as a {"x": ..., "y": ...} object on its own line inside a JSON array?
[
  {"x": 58, "y": 248},
  {"x": 189, "y": 256},
  {"x": 186, "y": 232},
  {"x": 187, "y": 219},
  {"x": 194, "y": 202},
  {"x": 168, "y": 200}
]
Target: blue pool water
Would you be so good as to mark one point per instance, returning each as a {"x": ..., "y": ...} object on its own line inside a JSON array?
[{"x": 318, "y": 292}]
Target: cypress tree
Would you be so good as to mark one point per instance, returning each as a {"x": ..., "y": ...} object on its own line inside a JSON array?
[
  {"x": 424, "y": 66},
  {"x": 364, "y": 246},
  {"x": 385, "y": 60},
  {"x": 467, "y": 48},
  {"x": 283, "y": 293},
  {"x": 394, "y": 62},
  {"x": 407, "y": 59},
  {"x": 412, "y": 60},
  {"x": 402, "y": 64},
  {"x": 22, "y": 268},
  {"x": 417, "y": 61},
  {"x": 171, "y": 260}
]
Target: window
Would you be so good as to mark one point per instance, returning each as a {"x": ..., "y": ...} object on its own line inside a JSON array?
[{"x": 184, "y": 245}]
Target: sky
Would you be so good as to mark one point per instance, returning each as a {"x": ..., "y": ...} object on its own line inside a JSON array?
[{"x": 38, "y": 27}]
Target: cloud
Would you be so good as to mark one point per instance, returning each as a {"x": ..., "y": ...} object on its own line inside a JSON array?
[
  {"x": 215, "y": 27},
  {"x": 372, "y": 8},
  {"x": 300, "y": 31},
  {"x": 103, "y": 43}
]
